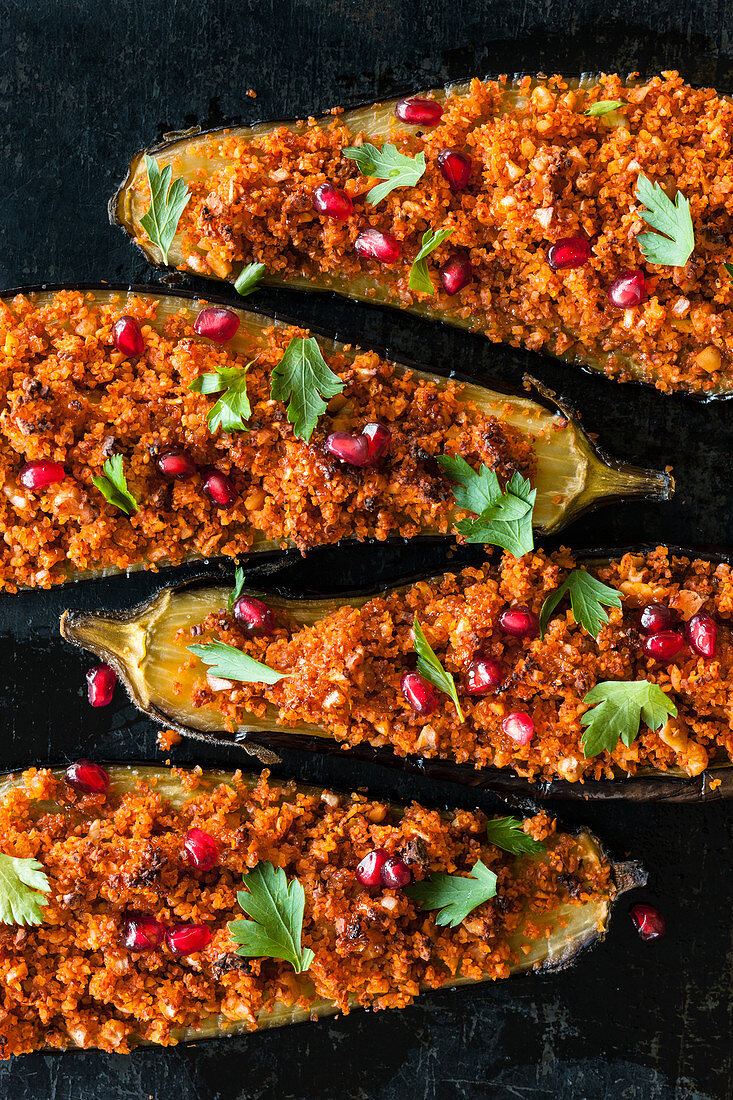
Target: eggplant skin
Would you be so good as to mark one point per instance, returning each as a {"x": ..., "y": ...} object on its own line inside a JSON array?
[
  {"x": 373, "y": 121},
  {"x": 582, "y": 928},
  {"x": 115, "y": 637}
]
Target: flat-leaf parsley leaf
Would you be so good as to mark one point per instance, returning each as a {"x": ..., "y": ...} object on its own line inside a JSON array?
[
  {"x": 113, "y": 486},
  {"x": 233, "y": 407},
  {"x": 276, "y": 908},
  {"x": 23, "y": 886},
  {"x": 419, "y": 275},
  {"x": 430, "y": 667},
  {"x": 396, "y": 169},
  {"x": 588, "y": 596},
  {"x": 507, "y": 833},
  {"x": 455, "y": 895},
  {"x": 503, "y": 518},
  {"x": 673, "y": 219},
  {"x": 619, "y": 706},
  {"x": 249, "y": 279},
  {"x": 231, "y": 664},
  {"x": 603, "y": 106},
  {"x": 167, "y": 203},
  {"x": 305, "y": 380}
]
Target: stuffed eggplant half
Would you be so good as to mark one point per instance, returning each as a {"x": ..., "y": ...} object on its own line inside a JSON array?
[
  {"x": 155, "y": 906},
  {"x": 142, "y": 429},
  {"x": 609, "y": 678},
  {"x": 590, "y": 219}
]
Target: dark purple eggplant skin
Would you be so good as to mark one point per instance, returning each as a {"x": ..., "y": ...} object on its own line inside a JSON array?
[{"x": 513, "y": 788}]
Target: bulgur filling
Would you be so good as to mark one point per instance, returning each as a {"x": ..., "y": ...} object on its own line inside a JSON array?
[
  {"x": 542, "y": 171},
  {"x": 345, "y": 671},
  {"x": 69, "y": 397},
  {"x": 71, "y": 981}
]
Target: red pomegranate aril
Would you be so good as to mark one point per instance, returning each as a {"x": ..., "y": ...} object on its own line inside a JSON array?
[
  {"x": 455, "y": 168},
  {"x": 395, "y": 873},
  {"x": 417, "y": 111},
  {"x": 519, "y": 727},
  {"x": 87, "y": 777},
  {"x": 219, "y": 325},
  {"x": 254, "y": 615},
  {"x": 648, "y": 921},
  {"x": 369, "y": 870},
  {"x": 141, "y": 932},
  {"x": 101, "y": 682},
  {"x": 627, "y": 290},
  {"x": 176, "y": 464},
  {"x": 379, "y": 438},
  {"x": 376, "y": 245},
  {"x": 483, "y": 674},
  {"x": 702, "y": 634},
  {"x": 202, "y": 851},
  {"x": 332, "y": 202},
  {"x": 186, "y": 939},
  {"x": 654, "y": 617},
  {"x": 351, "y": 449},
  {"x": 519, "y": 621},
  {"x": 37, "y": 475},
  {"x": 455, "y": 273},
  {"x": 663, "y": 646},
  {"x": 418, "y": 693},
  {"x": 219, "y": 489},
  {"x": 568, "y": 252},
  {"x": 128, "y": 336}
]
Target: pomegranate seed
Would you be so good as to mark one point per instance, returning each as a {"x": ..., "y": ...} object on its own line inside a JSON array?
[
  {"x": 484, "y": 673},
  {"x": 648, "y": 921},
  {"x": 202, "y": 850},
  {"x": 519, "y": 621},
  {"x": 702, "y": 633},
  {"x": 87, "y": 777},
  {"x": 332, "y": 202},
  {"x": 128, "y": 336},
  {"x": 185, "y": 939},
  {"x": 219, "y": 489},
  {"x": 417, "y": 111},
  {"x": 254, "y": 615},
  {"x": 663, "y": 646},
  {"x": 352, "y": 449},
  {"x": 141, "y": 932},
  {"x": 455, "y": 273},
  {"x": 627, "y": 290},
  {"x": 176, "y": 464},
  {"x": 379, "y": 439},
  {"x": 37, "y": 475},
  {"x": 519, "y": 727},
  {"x": 101, "y": 681},
  {"x": 569, "y": 252},
  {"x": 655, "y": 617},
  {"x": 218, "y": 325},
  {"x": 455, "y": 167},
  {"x": 369, "y": 871},
  {"x": 395, "y": 873},
  {"x": 376, "y": 245},
  {"x": 419, "y": 693}
]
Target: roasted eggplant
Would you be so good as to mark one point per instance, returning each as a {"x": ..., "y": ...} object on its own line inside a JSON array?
[
  {"x": 347, "y": 691},
  {"x": 552, "y": 174},
  {"x": 120, "y": 872},
  {"x": 73, "y": 396}
]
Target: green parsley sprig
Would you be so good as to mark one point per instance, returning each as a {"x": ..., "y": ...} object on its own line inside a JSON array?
[
  {"x": 249, "y": 279},
  {"x": 419, "y": 275},
  {"x": 112, "y": 484},
  {"x": 167, "y": 203},
  {"x": 23, "y": 886},
  {"x": 603, "y": 107},
  {"x": 618, "y": 708},
  {"x": 502, "y": 518},
  {"x": 430, "y": 667},
  {"x": 236, "y": 591},
  {"x": 588, "y": 597},
  {"x": 304, "y": 379},
  {"x": 230, "y": 663},
  {"x": 276, "y": 908},
  {"x": 388, "y": 164},
  {"x": 673, "y": 219},
  {"x": 454, "y": 895},
  {"x": 507, "y": 833},
  {"x": 233, "y": 407}
]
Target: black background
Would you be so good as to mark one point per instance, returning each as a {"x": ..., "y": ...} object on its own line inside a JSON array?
[{"x": 83, "y": 84}]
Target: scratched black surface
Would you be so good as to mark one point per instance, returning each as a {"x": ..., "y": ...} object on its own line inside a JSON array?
[{"x": 82, "y": 84}]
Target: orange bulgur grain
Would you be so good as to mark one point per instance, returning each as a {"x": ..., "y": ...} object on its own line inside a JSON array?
[
  {"x": 71, "y": 982},
  {"x": 346, "y": 668},
  {"x": 68, "y": 395},
  {"x": 542, "y": 170}
]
